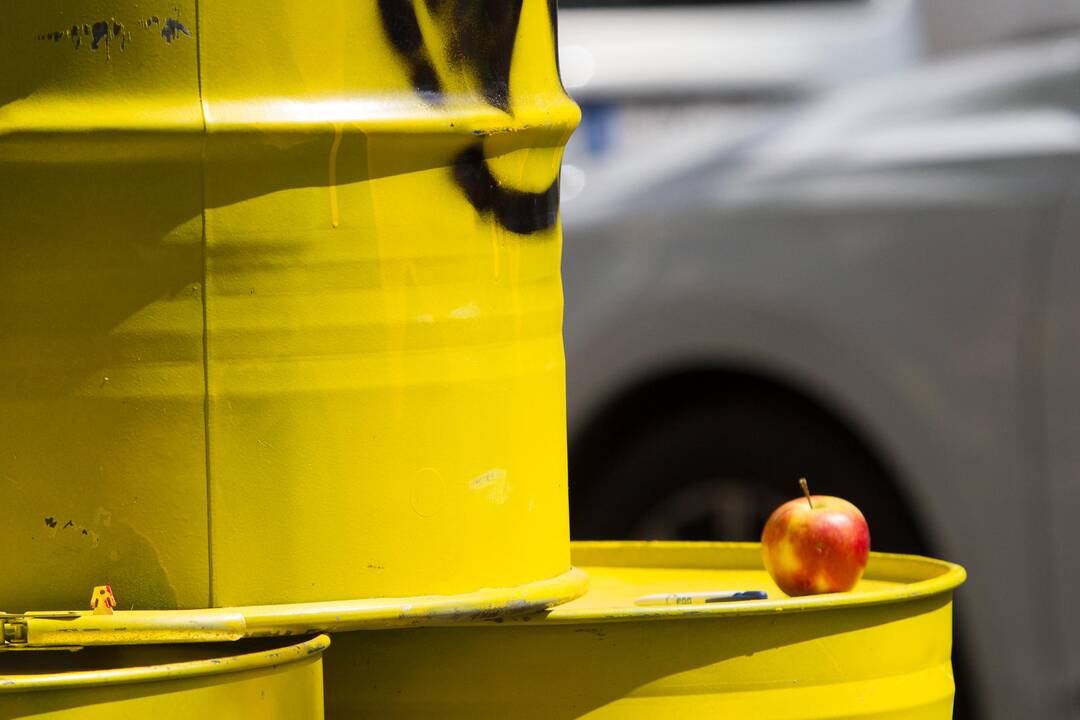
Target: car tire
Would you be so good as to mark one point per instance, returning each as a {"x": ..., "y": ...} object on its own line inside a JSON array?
[{"x": 749, "y": 448}]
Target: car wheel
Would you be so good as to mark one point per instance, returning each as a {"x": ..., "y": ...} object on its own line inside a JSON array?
[{"x": 714, "y": 469}]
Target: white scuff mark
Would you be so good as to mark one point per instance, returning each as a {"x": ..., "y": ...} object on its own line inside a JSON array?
[
  {"x": 469, "y": 310},
  {"x": 494, "y": 484}
]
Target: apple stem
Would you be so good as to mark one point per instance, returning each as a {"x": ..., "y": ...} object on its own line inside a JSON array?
[{"x": 806, "y": 492}]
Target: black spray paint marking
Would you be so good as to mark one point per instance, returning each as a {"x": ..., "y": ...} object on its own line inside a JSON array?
[
  {"x": 553, "y": 18},
  {"x": 518, "y": 211},
  {"x": 479, "y": 37},
  {"x": 402, "y": 27}
]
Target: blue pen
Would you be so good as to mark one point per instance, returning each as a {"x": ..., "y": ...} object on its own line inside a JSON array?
[{"x": 701, "y": 598}]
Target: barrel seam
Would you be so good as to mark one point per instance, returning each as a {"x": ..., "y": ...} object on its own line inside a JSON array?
[{"x": 205, "y": 317}]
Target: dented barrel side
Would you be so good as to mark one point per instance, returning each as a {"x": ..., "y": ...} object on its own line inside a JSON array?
[{"x": 283, "y": 310}]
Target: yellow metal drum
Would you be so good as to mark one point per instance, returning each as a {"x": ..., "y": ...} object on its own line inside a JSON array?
[
  {"x": 881, "y": 651},
  {"x": 242, "y": 680},
  {"x": 281, "y": 311}
]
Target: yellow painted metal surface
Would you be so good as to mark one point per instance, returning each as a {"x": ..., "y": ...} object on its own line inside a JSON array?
[
  {"x": 281, "y": 311},
  {"x": 880, "y": 651},
  {"x": 167, "y": 682},
  {"x": 43, "y": 630}
]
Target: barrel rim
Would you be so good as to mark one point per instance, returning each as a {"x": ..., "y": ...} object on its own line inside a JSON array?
[
  {"x": 930, "y": 577},
  {"x": 209, "y": 667},
  {"x": 147, "y": 627}
]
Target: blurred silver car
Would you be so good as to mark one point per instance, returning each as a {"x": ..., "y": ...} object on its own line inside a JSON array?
[{"x": 867, "y": 275}]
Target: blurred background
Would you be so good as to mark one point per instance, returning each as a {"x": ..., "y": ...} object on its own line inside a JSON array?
[{"x": 839, "y": 240}]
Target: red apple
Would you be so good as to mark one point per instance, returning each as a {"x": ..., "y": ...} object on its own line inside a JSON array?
[{"x": 815, "y": 544}]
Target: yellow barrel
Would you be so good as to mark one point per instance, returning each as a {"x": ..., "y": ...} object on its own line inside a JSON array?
[
  {"x": 249, "y": 680},
  {"x": 281, "y": 307},
  {"x": 880, "y": 651}
]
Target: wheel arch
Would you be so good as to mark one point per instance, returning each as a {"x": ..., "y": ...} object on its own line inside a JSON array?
[{"x": 661, "y": 393}]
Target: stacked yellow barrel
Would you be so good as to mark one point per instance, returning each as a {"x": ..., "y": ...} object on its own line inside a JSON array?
[
  {"x": 282, "y": 311},
  {"x": 280, "y": 351}
]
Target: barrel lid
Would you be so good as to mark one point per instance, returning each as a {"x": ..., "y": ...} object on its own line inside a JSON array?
[
  {"x": 618, "y": 575},
  {"x": 621, "y": 573}
]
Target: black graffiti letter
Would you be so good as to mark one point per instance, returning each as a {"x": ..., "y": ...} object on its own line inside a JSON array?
[
  {"x": 479, "y": 38},
  {"x": 517, "y": 211},
  {"x": 403, "y": 29}
]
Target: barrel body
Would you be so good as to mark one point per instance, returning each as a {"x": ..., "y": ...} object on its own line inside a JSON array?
[
  {"x": 881, "y": 651},
  {"x": 282, "y": 309}
]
